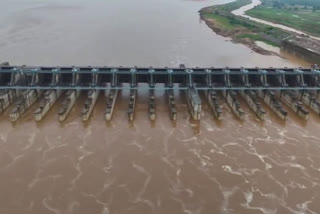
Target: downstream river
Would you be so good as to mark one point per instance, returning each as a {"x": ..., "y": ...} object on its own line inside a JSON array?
[{"x": 228, "y": 167}]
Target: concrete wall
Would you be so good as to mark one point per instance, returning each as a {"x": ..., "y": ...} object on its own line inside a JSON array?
[{"x": 300, "y": 52}]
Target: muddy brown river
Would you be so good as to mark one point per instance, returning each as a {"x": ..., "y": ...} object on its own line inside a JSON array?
[{"x": 187, "y": 167}]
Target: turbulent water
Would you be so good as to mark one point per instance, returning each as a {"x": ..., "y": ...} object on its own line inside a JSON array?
[{"x": 143, "y": 167}]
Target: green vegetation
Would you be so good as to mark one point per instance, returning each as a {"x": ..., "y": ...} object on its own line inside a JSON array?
[
  {"x": 308, "y": 3},
  {"x": 256, "y": 37},
  {"x": 300, "y": 14},
  {"x": 221, "y": 20},
  {"x": 233, "y": 5}
]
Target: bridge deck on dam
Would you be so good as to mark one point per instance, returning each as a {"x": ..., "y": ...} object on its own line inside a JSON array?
[
  {"x": 84, "y": 78},
  {"x": 298, "y": 89}
]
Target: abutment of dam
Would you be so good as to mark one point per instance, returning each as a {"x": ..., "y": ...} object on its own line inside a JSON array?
[{"x": 302, "y": 47}]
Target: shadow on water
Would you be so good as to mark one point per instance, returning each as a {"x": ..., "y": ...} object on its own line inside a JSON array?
[
  {"x": 174, "y": 124},
  {"x": 314, "y": 116},
  {"x": 219, "y": 123},
  {"x": 109, "y": 124},
  {"x": 86, "y": 124},
  {"x": 295, "y": 118},
  {"x": 153, "y": 123}
]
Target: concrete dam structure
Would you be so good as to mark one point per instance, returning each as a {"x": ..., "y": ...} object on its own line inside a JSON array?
[
  {"x": 298, "y": 89},
  {"x": 302, "y": 47}
]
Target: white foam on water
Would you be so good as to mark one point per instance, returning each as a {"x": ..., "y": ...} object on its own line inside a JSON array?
[
  {"x": 139, "y": 195},
  {"x": 70, "y": 124},
  {"x": 15, "y": 159},
  {"x": 230, "y": 144},
  {"x": 136, "y": 144},
  {"x": 109, "y": 165},
  {"x": 31, "y": 141},
  {"x": 268, "y": 166},
  {"x": 227, "y": 193},
  {"x": 303, "y": 207},
  {"x": 4, "y": 136},
  {"x": 105, "y": 206},
  {"x": 84, "y": 153},
  {"x": 194, "y": 138},
  {"x": 208, "y": 125},
  {"x": 187, "y": 207},
  {"x": 230, "y": 170},
  {"x": 49, "y": 207},
  {"x": 105, "y": 211},
  {"x": 249, "y": 172},
  {"x": 107, "y": 185},
  {"x": 178, "y": 172},
  {"x": 249, "y": 198}
]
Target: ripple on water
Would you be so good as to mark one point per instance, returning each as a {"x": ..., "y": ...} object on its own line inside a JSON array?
[{"x": 229, "y": 166}]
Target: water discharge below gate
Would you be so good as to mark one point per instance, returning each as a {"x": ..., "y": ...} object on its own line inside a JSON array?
[{"x": 157, "y": 167}]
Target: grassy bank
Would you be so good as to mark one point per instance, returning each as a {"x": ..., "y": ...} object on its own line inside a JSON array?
[
  {"x": 256, "y": 37},
  {"x": 222, "y": 21},
  {"x": 233, "y": 5},
  {"x": 298, "y": 14}
]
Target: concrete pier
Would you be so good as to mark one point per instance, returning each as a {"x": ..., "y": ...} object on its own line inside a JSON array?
[
  {"x": 272, "y": 101},
  {"x": 152, "y": 106},
  {"x": 292, "y": 101},
  {"x": 310, "y": 100},
  {"x": 111, "y": 101},
  {"x": 89, "y": 104},
  {"x": 317, "y": 95},
  {"x": 214, "y": 103},
  {"x": 172, "y": 105},
  {"x": 233, "y": 103},
  {"x": 25, "y": 100},
  {"x": 7, "y": 97},
  {"x": 69, "y": 101},
  {"x": 46, "y": 103},
  {"x": 194, "y": 103},
  {"x": 132, "y": 104},
  {"x": 252, "y": 100}
]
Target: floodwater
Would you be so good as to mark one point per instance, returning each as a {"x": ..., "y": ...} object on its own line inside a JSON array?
[
  {"x": 117, "y": 32},
  {"x": 119, "y": 167}
]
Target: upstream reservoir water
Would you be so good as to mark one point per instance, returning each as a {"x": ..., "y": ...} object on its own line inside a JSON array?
[
  {"x": 119, "y": 167},
  {"x": 117, "y": 32}
]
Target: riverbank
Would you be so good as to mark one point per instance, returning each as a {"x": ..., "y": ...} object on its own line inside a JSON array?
[{"x": 241, "y": 30}]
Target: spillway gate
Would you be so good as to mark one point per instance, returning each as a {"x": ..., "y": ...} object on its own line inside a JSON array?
[{"x": 295, "y": 87}]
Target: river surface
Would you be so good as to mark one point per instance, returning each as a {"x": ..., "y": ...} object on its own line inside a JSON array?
[
  {"x": 117, "y": 32},
  {"x": 230, "y": 167}
]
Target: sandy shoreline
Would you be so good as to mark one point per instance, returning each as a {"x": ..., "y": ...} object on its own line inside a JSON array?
[
  {"x": 232, "y": 34},
  {"x": 214, "y": 26}
]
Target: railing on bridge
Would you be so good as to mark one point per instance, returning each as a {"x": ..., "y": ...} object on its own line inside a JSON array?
[
  {"x": 295, "y": 87},
  {"x": 85, "y": 78}
]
